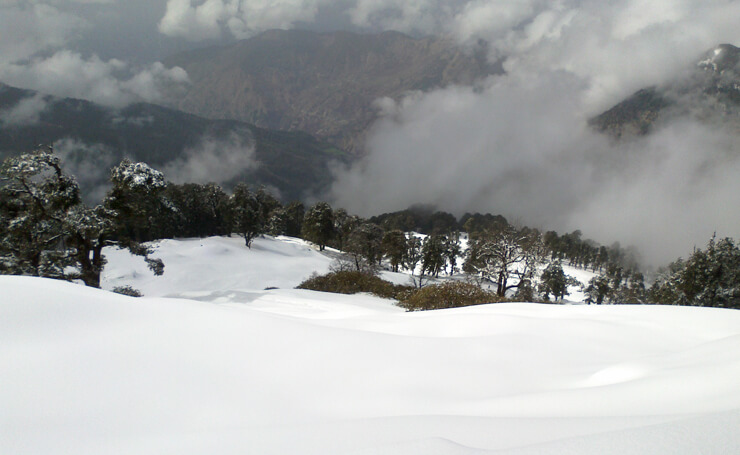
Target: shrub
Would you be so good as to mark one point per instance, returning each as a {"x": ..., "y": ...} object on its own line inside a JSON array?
[
  {"x": 127, "y": 290},
  {"x": 352, "y": 282},
  {"x": 452, "y": 294}
]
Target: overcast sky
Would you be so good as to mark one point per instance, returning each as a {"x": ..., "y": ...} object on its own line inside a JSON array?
[{"x": 515, "y": 144}]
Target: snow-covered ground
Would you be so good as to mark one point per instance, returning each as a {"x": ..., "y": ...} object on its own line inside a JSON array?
[{"x": 224, "y": 366}]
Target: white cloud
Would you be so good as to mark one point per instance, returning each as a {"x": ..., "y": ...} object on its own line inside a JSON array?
[
  {"x": 678, "y": 188},
  {"x": 197, "y": 20},
  {"x": 216, "y": 160},
  {"x": 33, "y": 39},
  {"x": 519, "y": 145},
  {"x": 90, "y": 164},
  {"x": 194, "y": 22},
  {"x": 488, "y": 148},
  {"x": 26, "y": 112},
  {"x": 112, "y": 82}
]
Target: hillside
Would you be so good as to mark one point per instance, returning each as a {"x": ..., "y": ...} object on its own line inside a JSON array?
[
  {"x": 322, "y": 83},
  {"x": 224, "y": 365},
  {"x": 709, "y": 92},
  {"x": 95, "y": 138}
]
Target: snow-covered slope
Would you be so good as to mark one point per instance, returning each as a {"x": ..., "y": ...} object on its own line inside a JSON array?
[
  {"x": 231, "y": 368},
  {"x": 221, "y": 263},
  {"x": 216, "y": 264}
]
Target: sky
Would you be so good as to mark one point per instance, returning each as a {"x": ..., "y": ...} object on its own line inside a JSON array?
[{"x": 515, "y": 144}]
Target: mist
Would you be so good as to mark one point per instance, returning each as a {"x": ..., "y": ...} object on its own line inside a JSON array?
[
  {"x": 217, "y": 160},
  {"x": 521, "y": 146},
  {"x": 90, "y": 164}
]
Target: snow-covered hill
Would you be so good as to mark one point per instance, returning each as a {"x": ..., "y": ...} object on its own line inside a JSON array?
[
  {"x": 225, "y": 366},
  {"x": 222, "y": 263}
]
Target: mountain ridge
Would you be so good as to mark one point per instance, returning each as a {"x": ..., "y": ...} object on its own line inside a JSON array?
[
  {"x": 296, "y": 164},
  {"x": 710, "y": 93},
  {"x": 323, "y": 83}
]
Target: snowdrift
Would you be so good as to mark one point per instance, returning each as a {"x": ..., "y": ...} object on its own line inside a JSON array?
[{"x": 228, "y": 367}]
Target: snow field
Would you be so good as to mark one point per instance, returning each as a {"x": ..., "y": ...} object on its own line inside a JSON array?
[{"x": 225, "y": 366}]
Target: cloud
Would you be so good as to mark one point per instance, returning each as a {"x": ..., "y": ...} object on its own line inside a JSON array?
[
  {"x": 27, "y": 28},
  {"x": 520, "y": 146},
  {"x": 26, "y": 112},
  {"x": 678, "y": 188},
  {"x": 90, "y": 164},
  {"x": 202, "y": 20},
  {"x": 112, "y": 82},
  {"x": 485, "y": 148},
  {"x": 216, "y": 160},
  {"x": 516, "y": 144},
  {"x": 34, "y": 40}
]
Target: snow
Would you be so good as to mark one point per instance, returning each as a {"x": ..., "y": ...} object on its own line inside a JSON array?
[
  {"x": 216, "y": 264},
  {"x": 222, "y": 365}
]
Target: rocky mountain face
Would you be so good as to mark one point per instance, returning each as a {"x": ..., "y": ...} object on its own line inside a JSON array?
[
  {"x": 710, "y": 93},
  {"x": 322, "y": 83},
  {"x": 93, "y": 138}
]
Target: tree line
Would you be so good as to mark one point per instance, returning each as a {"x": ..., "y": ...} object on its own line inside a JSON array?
[{"x": 46, "y": 230}]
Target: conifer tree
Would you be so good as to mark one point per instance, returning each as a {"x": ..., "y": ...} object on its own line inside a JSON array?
[
  {"x": 554, "y": 281},
  {"x": 433, "y": 254},
  {"x": 44, "y": 228},
  {"x": 318, "y": 224},
  {"x": 247, "y": 214},
  {"x": 394, "y": 246}
]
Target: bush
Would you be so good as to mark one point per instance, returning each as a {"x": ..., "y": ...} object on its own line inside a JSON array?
[
  {"x": 352, "y": 282},
  {"x": 452, "y": 294},
  {"x": 127, "y": 290}
]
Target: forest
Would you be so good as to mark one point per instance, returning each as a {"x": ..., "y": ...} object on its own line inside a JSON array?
[{"x": 46, "y": 230}]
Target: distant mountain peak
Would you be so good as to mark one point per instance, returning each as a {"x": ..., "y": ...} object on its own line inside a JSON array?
[
  {"x": 721, "y": 58},
  {"x": 711, "y": 93}
]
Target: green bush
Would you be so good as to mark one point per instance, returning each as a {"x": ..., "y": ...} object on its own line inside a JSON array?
[
  {"x": 452, "y": 294},
  {"x": 352, "y": 282}
]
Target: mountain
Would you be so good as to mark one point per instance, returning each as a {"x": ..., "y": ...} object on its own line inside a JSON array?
[
  {"x": 95, "y": 138},
  {"x": 710, "y": 92},
  {"x": 322, "y": 83}
]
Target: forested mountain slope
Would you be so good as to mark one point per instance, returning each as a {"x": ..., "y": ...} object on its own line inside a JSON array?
[
  {"x": 323, "y": 83},
  {"x": 709, "y": 92},
  {"x": 94, "y": 138}
]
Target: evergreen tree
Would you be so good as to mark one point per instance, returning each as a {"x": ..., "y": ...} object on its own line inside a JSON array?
[
  {"x": 35, "y": 197},
  {"x": 394, "y": 247},
  {"x": 452, "y": 250},
  {"x": 413, "y": 256},
  {"x": 344, "y": 225},
  {"x": 364, "y": 245},
  {"x": 598, "y": 290},
  {"x": 295, "y": 212},
  {"x": 247, "y": 214},
  {"x": 136, "y": 199},
  {"x": 277, "y": 222},
  {"x": 46, "y": 231},
  {"x": 433, "y": 254},
  {"x": 709, "y": 277},
  {"x": 318, "y": 224},
  {"x": 555, "y": 281},
  {"x": 267, "y": 203},
  {"x": 197, "y": 210}
]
